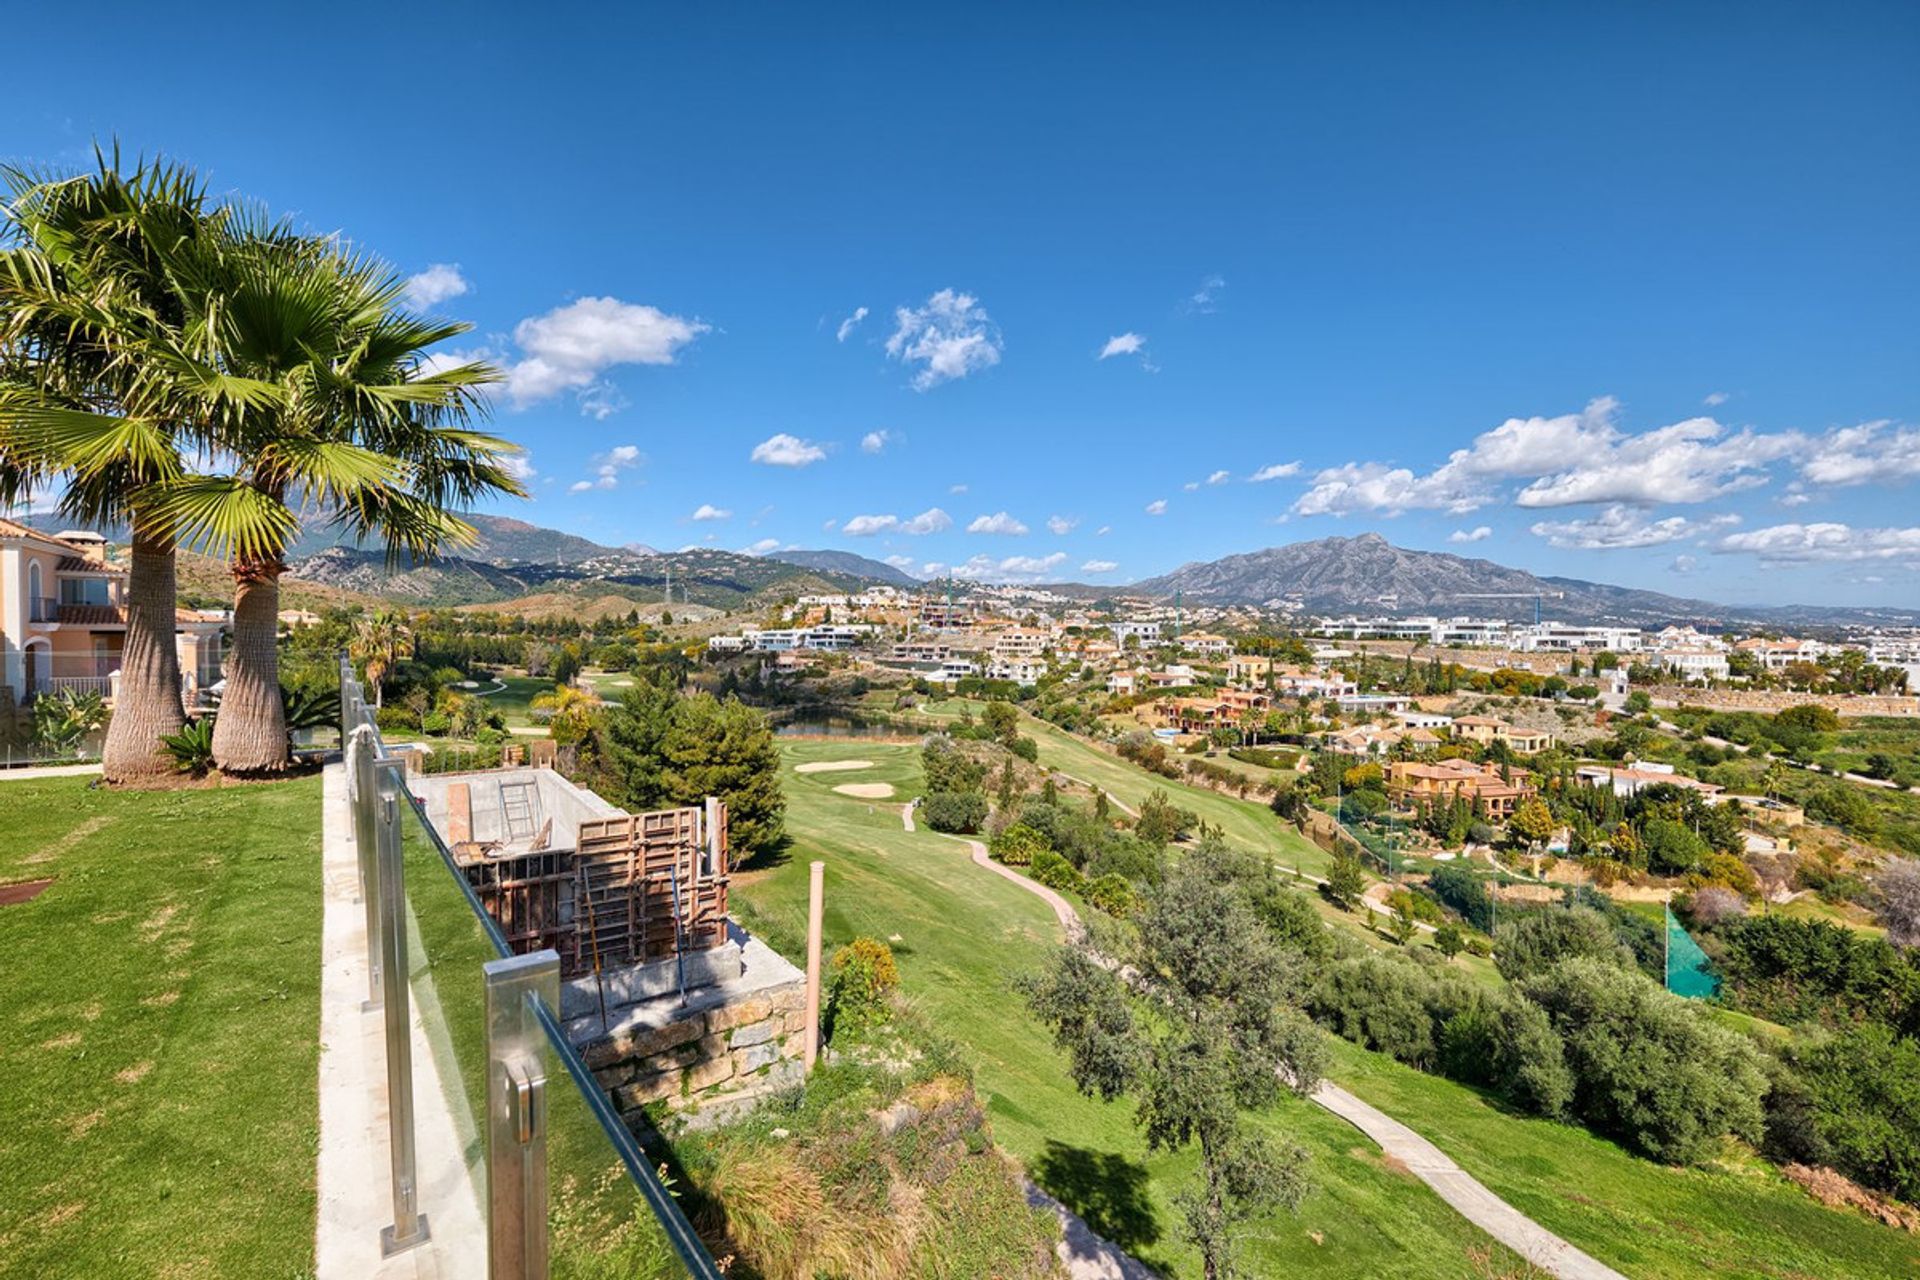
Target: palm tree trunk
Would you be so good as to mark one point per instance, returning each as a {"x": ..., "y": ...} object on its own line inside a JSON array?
[
  {"x": 250, "y": 735},
  {"x": 147, "y": 707}
]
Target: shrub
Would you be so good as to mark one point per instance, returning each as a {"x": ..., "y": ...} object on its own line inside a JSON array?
[
  {"x": 1539, "y": 940},
  {"x": 436, "y": 723},
  {"x": 1466, "y": 893},
  {"x": 396, "y": 716},
  {"x": 1652, "y": 1071},
  {"x": 1113, "y": 894},
  {"x": 191, "y": 749},
  {"x": 1017, "y": 844},
  {"x": 1054, "y": 871},
  {"x": 1789, "y": 970},
  {"x": 1844, "y": 806},
  {"x": 1714, "y": 906},
  {"x": 1508, "y": 1044},
  {"x": 1294, "y": 922},
  {"x": 1450, "y": 939},
  {"x": 1853, "y": 1102},
  {"x": 954, "y": 811},
  {"x": 1378, "y": 1004},
  {"x": 863, "y": 975},
  {"x": 1026, "y": 748}
]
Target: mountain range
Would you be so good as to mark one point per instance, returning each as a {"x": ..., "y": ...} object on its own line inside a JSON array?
[
  {"x": 1364, "y": 574},
  {"x": 1367, "y": 574}
]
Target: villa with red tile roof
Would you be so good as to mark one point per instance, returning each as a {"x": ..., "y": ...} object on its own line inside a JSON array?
[{"x": 63, "y": 621}]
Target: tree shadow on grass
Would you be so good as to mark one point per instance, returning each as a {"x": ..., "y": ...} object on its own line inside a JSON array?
[
  {"x": 1107, "y": 1190},
  {"x": 775, "y": 855}
]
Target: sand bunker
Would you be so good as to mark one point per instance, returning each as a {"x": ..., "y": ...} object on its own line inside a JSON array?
[
  {"x": 832, "y": 766},
  {"x": 865, "y": 790}
]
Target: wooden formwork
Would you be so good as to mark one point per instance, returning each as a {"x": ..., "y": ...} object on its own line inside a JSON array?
[
  {"x": 528, "y": 896},
  {"x": 629, "y": 869}
]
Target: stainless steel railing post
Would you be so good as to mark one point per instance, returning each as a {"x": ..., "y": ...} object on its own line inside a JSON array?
[
  {"x": 517, "y": 1113},
  {"x": 409, "y": 1224}
]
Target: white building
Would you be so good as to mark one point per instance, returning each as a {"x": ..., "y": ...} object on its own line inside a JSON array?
[
  {"x": 1694, "y": 664},
  {"x": 1147, "y": 633},
  {"x": 1018, "y": 670}
]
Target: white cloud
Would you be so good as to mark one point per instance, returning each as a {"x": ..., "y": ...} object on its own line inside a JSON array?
[
  {"x": 1219, "y": 477},
  {"x": 1274, "y": 471},
  {"x": 956, "y": 488},
  {"x": 1204, "y": 299},
  {"x": 763, "y": 546},
  {"x": 568, "y": 348},
  {"x": 610, "y": 465},
  {"x": 1568, "y": 460},
  {"x": 875, "y": 441},
  {"x": 1103, "y": 531},
  {"x": 1011, "y": 569},
  {"x": 1158, "y": 507},
  {"x": 1098, "y": 566},
  {"x": 1622, "y": 526},
  {"x": 435, "y": 285},
  {"x": 1715, "y": 399},
  {"x": 1683, "y": 564},
  {"x": 999, "y": 522},
  {"x": 707, "y": 511},
  {"x": 783, "y": 450},
  {"x": 1480, "y": 534},
  {"x": 848, "y": 325},
  {"x": 1127, "y": 344},
  {"x": 932, "y": 520},
  {"x": 1191, "y": 486},
  {"x": 519, "y": 466},
  {"x": 900, "y": 562},
  {"x": 1867, "y": 454},
  {"x": 1826, "y": 543},
  {"x": 1061, "y": 526},
  {"x": 950, "y": 337},
  {"x": 1691, "y": 461}
]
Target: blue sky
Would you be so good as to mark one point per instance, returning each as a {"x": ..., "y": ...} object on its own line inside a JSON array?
[{"x": 1626, "y": 292}]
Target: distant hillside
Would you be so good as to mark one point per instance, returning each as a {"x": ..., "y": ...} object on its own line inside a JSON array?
[
  {"x": 503, "y": 540},
  {"x": 715, "y": 579},
  {"x": 846, "y": 562},
  {"x": 1367, "y": 574}
]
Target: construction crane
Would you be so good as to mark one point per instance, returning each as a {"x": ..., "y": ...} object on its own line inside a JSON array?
[{"x": 1535, "y": 596}]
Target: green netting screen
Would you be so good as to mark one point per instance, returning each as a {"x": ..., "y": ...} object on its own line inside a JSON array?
[{"x": 1688, "y": 973}]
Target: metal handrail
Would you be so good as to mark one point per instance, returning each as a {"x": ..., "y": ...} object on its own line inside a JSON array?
[{"x": 356, "y": 714}]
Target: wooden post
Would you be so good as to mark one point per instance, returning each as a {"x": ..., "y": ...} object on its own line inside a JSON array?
[{"x": 816, "y": 874}]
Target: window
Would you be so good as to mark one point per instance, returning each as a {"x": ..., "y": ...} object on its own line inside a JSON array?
[{"x": 83, "y": 591}]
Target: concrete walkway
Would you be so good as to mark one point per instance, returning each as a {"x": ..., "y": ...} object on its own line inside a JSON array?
[
  {"x": 28, "y": 773},
  {"x": 1085, "y": 1256},
  {"x": 1506, "y": 1224},
  {"x": 354, "y": 1180},
  {"x": 1458, "y": 1188}
]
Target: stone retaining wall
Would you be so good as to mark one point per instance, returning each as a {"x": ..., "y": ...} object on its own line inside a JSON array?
[
  {"x": 749, "y": 1047},
  {"x": 1772, "y": 700}
]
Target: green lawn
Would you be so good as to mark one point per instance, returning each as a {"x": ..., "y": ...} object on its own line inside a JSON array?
[
  {"x": 1642, "y": 1218},
  {"x": 514, "y": 701},
  {"x": 963, "y": 934},
  {"x": 158, "y": 1033}
]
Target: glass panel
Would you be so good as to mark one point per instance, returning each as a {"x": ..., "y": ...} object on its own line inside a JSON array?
[
  {"x": 600, "y": 1221},
  {"x": 448, "y": 942}
]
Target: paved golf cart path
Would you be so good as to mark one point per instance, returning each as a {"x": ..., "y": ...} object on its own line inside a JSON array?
[{"x": 1091, "y": 1258}]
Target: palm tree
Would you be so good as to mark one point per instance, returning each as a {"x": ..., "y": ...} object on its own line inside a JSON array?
[
  {"x": 379, "y": 641},
  {"x": 104, "y": 383},
  {"x": 361, "y": 433}
]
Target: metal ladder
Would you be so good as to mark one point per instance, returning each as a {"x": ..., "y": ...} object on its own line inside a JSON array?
[{"x": 517, "y": 801}]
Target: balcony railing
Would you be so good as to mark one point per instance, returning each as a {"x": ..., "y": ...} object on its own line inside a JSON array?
[
  {"x": 43, "y": 609},
  {"x": 532, "y": 1120}
]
